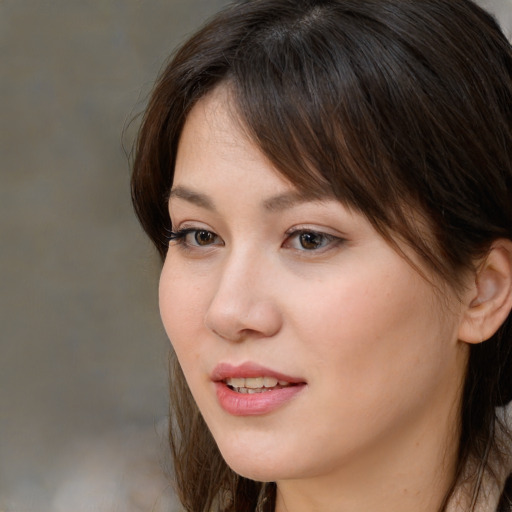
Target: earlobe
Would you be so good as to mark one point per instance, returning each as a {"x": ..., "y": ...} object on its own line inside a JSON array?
[{"x": 490, "y": 295}]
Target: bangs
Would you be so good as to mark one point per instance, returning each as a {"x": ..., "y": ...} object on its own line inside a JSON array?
[{"x": 338, "y": 113}]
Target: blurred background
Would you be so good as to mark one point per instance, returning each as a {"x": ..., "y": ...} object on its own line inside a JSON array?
[{"x": 83, "y": 358}]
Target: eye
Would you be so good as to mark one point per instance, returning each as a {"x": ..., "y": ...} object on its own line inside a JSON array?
[
  {"x": 307, "y": 240},
  {"x": 195, "y": 237},
  {"x": 203, "y": 237}
]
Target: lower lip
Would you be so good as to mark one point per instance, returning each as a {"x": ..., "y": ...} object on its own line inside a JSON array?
[{"x": 254, "y": 404}]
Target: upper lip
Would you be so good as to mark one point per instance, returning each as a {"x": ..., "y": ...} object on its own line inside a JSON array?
[{"x": 225, "y": 371}]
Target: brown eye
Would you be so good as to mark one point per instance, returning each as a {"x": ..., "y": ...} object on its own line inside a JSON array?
[
  {"x": 203, "y": 237},
  {"x": 191, "y": 237},
  {"x": 311, "y": 241}
]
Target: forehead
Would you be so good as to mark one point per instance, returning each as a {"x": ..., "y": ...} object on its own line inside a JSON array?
[
  {"x": 215, "y": 135},
  {"x": 213, "y": 143},
  {"x": 214, "y": 123},
  {"x": 218, "y": 165}
]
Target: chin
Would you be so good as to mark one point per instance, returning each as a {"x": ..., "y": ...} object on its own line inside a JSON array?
[
  {"x": 258, "y": 473},
  {"x": 261, "y": 465}
]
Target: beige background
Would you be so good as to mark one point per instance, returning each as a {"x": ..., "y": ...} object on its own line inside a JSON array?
[{"x": 82, "y": 353}]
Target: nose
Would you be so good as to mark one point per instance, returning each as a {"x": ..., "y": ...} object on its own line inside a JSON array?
[{"x": 244, "y": 303}]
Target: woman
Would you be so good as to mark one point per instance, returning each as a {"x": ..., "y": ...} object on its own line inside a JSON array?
[{"x": 329, "y": 184}]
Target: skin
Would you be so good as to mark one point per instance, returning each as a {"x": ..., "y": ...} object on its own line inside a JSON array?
[{"x": 376, "y": 343}]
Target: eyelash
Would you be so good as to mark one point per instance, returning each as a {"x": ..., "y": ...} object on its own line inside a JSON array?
[{"x": 180, "y": 238}]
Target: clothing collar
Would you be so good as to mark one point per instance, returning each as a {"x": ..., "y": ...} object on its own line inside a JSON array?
[{"x": 493, "y": 478}]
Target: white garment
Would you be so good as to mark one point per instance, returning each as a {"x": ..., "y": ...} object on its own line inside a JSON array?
[{"x": 492, "y": 487}]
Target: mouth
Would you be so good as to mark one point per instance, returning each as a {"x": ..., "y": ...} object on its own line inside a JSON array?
[{"x": 252, "y": 390}]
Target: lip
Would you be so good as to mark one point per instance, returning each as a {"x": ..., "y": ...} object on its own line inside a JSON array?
[
  {"x": 238, "y": 404},
  {"x": 225, "y": 370}
]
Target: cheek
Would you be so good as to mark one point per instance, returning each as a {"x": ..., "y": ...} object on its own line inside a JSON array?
[
  {"x": 181, "y": 304},
  {"x": 376, "y": 331},
  {"x": 377, "y": 357}
]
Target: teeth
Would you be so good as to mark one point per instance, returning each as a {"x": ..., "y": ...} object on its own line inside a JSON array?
[
  {"x": 248, "y": 391},
  {"x": 269, "y": 382},
  {"x": 236, "y": 383},
  {"x": 254, "y": 384}
]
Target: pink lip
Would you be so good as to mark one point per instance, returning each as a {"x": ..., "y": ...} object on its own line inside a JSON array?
[
  {"x": 224, "y": 371},
  {"x": 239, "y": 404}
]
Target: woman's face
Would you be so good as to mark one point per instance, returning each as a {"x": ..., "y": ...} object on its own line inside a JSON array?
[{"x": 308, "y": 343}]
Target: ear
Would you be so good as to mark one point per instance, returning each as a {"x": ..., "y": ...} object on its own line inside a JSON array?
[{"x": 489, "y": 298}]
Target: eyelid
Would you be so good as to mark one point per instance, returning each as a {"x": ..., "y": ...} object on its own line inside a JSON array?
[
  {"x": 188, "y": 226},
  {"x": 321, "y": 230}
]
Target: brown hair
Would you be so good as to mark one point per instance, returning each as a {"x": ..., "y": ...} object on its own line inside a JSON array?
[{"x": 390, "y": 106}]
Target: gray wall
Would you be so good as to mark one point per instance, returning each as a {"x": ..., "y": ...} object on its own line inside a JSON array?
[
  {"x": 83, "y": 385},
  {"x": 82, "y": 353}
]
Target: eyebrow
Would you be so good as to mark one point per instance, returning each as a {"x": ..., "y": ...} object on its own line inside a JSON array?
[
  {"x": 273, "y": 204},
  {"x": 193, "y": 197},
  {"x": 287, "y": 200}
]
